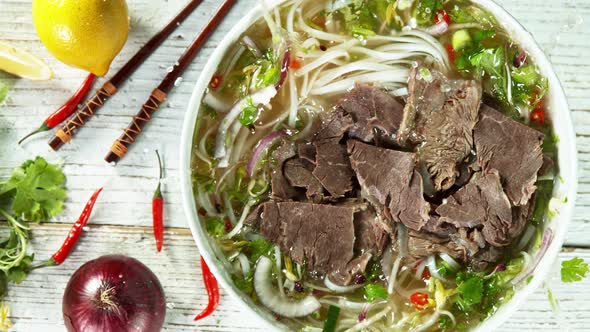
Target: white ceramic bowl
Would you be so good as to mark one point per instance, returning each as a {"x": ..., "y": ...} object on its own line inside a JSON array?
[{"x": 562, "y": 123}]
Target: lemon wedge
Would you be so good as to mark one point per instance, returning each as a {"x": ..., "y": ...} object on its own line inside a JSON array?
[{"x": 21, "y": 63}]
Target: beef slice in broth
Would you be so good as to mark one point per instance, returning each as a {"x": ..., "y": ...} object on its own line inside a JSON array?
[
  {"x": 511, "y": 148},
  {"x": 280, "y": 187},
  {"x": 389, "y": 179},
  {"x": 441, "y": 114},
  {"x": 422, "y": 244},
  {"x": 481, "y": 203},
  {"x": 317, "y": 235},
  {"x": 372, "y": 108},
  {"x": 371, "y": 234},
  {"x": 298, "y": 173},
  {"x": 333, "y": 169}
]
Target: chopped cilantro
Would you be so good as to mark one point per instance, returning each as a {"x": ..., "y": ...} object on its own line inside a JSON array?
[
  {"x": 249, "y": 113},
  {"x": 425, "y": 10},
  {"x": 375, "y": 291},
  {"x": 445, "y": 322},
  {"x": 37, "y": 189},
  {"x": 574, "y": 270},
  {"x": 215, "y": 226},
  {"x": 373, "y": 271},
  {"x": 256, "y": 248},
  {"x": 245, "y": 284},
  {"x": 470, "y": 291}
]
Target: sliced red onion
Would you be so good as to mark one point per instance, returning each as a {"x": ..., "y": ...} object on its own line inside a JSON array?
[
  {"x": 519, "y": 59},
  {"x": 438, "y": 28},
  {"x": 262, "y": 146},
  {"x": 284, "y": 69},
  {"x": 273, "y": 300},
  {"x": 251, "y": 45},
  {"x": 262, "y": 96},
  {"x": 547, "y": 238}
]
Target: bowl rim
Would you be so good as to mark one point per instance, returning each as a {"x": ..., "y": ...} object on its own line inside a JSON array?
[{"x": 567, "y": 160}]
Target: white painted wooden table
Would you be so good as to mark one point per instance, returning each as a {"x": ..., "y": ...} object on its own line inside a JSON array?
[{"x": 122, "y": 219}]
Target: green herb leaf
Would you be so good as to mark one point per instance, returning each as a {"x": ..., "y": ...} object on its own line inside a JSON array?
[
  {"x": 18, "y": 273},
  {"x": 373, "y": 271},
  {"x": 470, "y": 291},
  {"x": 375, "y": 291},
  {"x": 249, "y": 113},
  {"x": 331, "y": 319},
  {"x": 256, "y": 248},
  {"x": 574, "y": 270},
  {"x": 215, "y": 226},
  {"x": 425, "y": 10},
  {"x": 38, "y": 190}
]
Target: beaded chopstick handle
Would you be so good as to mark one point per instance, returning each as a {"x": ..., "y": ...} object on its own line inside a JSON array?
[
  {"x": 93, "y": 104},
  {"x": 121, "y": 145}
]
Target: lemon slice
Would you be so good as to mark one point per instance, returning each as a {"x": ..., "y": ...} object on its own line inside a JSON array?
[{"x": 23, "y": 64}]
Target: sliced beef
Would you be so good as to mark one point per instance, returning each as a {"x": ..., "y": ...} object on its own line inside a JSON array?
[
  {"x": 485, "y": 258},
  {"x": 370, "y": 232},
  {"x": 422, "y": 244},
  {"x": 358, "y": 265},
  {"x": 334, "y": 126},
  {"x": 389, "y": 179},
  {"x": 280, "y": 187},
  {"x": 307, "y": 152},
  {"x": 333, "y": 167},
  {"x": 441, "y": 114},
  {"x": 371, "y": 108},
  {"x": 547, "y": 168},
  {"x": 426, "y": 95},
  {"x": 298, "y": 173},
  {"x": 319, "y": 236},
  {"x": 511, "y": 148},
  {"x": 481, "y": 203},
  {"x": 439, "y": 228}
]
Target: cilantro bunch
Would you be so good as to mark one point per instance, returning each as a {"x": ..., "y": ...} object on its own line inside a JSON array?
[{"x": 34, "y": 192}]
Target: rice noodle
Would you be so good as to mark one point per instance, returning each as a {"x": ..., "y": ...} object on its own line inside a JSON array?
[
  {"x": 393, "y": 275},
  {"x": 201, "y": 152},
  {"x": 293, "y": 103},
  {"x": 326, "y": 58},
  {"x": 329, "y": 75},
  {"x": 450, "y": 260},
  {"x": 245, "y": 263},
  {"x": 238, "y": 227},
  {"x": 229, "y": 210},
  {"x": 426, "y": 325},
  {"x": 215, "y": 103},
  {"x": 390, "y": 76},
  {"x": 318, "y": 34},
  {"x": 343, "y": 302},
  {"x": 205, "y": 202},
  {"x": 431, "y": 263},
  {"x": 278, "y": 264},
  {"x": 339, "y": 289},
  {"x": 367, "y": 322}
]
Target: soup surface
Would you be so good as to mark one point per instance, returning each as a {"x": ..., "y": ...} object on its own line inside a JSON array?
[{"x": 376, "y": 165}]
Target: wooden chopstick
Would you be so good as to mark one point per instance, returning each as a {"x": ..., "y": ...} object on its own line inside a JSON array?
[
  {"x": 109, "y": 88},
  {"x": 144, "y": 115}
]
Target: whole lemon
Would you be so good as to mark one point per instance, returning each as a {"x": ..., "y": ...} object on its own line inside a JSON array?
[{"x": 87, "y": 34}]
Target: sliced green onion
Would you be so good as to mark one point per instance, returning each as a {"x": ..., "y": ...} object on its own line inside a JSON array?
[{"x": 330, "y": 323}]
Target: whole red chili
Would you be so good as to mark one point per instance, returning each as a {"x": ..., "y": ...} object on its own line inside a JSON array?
[
  {"x": 419, "y": 300},
  {"x": 66, "y": 109},
  {"x": 73, "y": 235},
  {"x": 212, "y": 291},
  {"x": 158, "y": 210}
]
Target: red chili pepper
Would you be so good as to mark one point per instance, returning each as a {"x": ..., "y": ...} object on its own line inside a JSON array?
[
  {"x": 426, "y": 274},
  {"x": 215, "y": 81},
  {"x": 73, "y": 235},
  {"x": 66, "y": 109},
  {"x": 419, "y": 300},
  {"x": 452, "y": 53},
  {"x": 538, "y": 116},
  {"x": 158, "y": 210},
  {"x": 212, "y": 291},
  {"x": 227, "y": 225},
  {"x": 295, "y": 63},
  {"x": 442, "y": 15}
]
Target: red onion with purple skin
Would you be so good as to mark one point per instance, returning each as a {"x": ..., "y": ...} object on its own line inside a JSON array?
[{"x": 114, "y": 294}]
